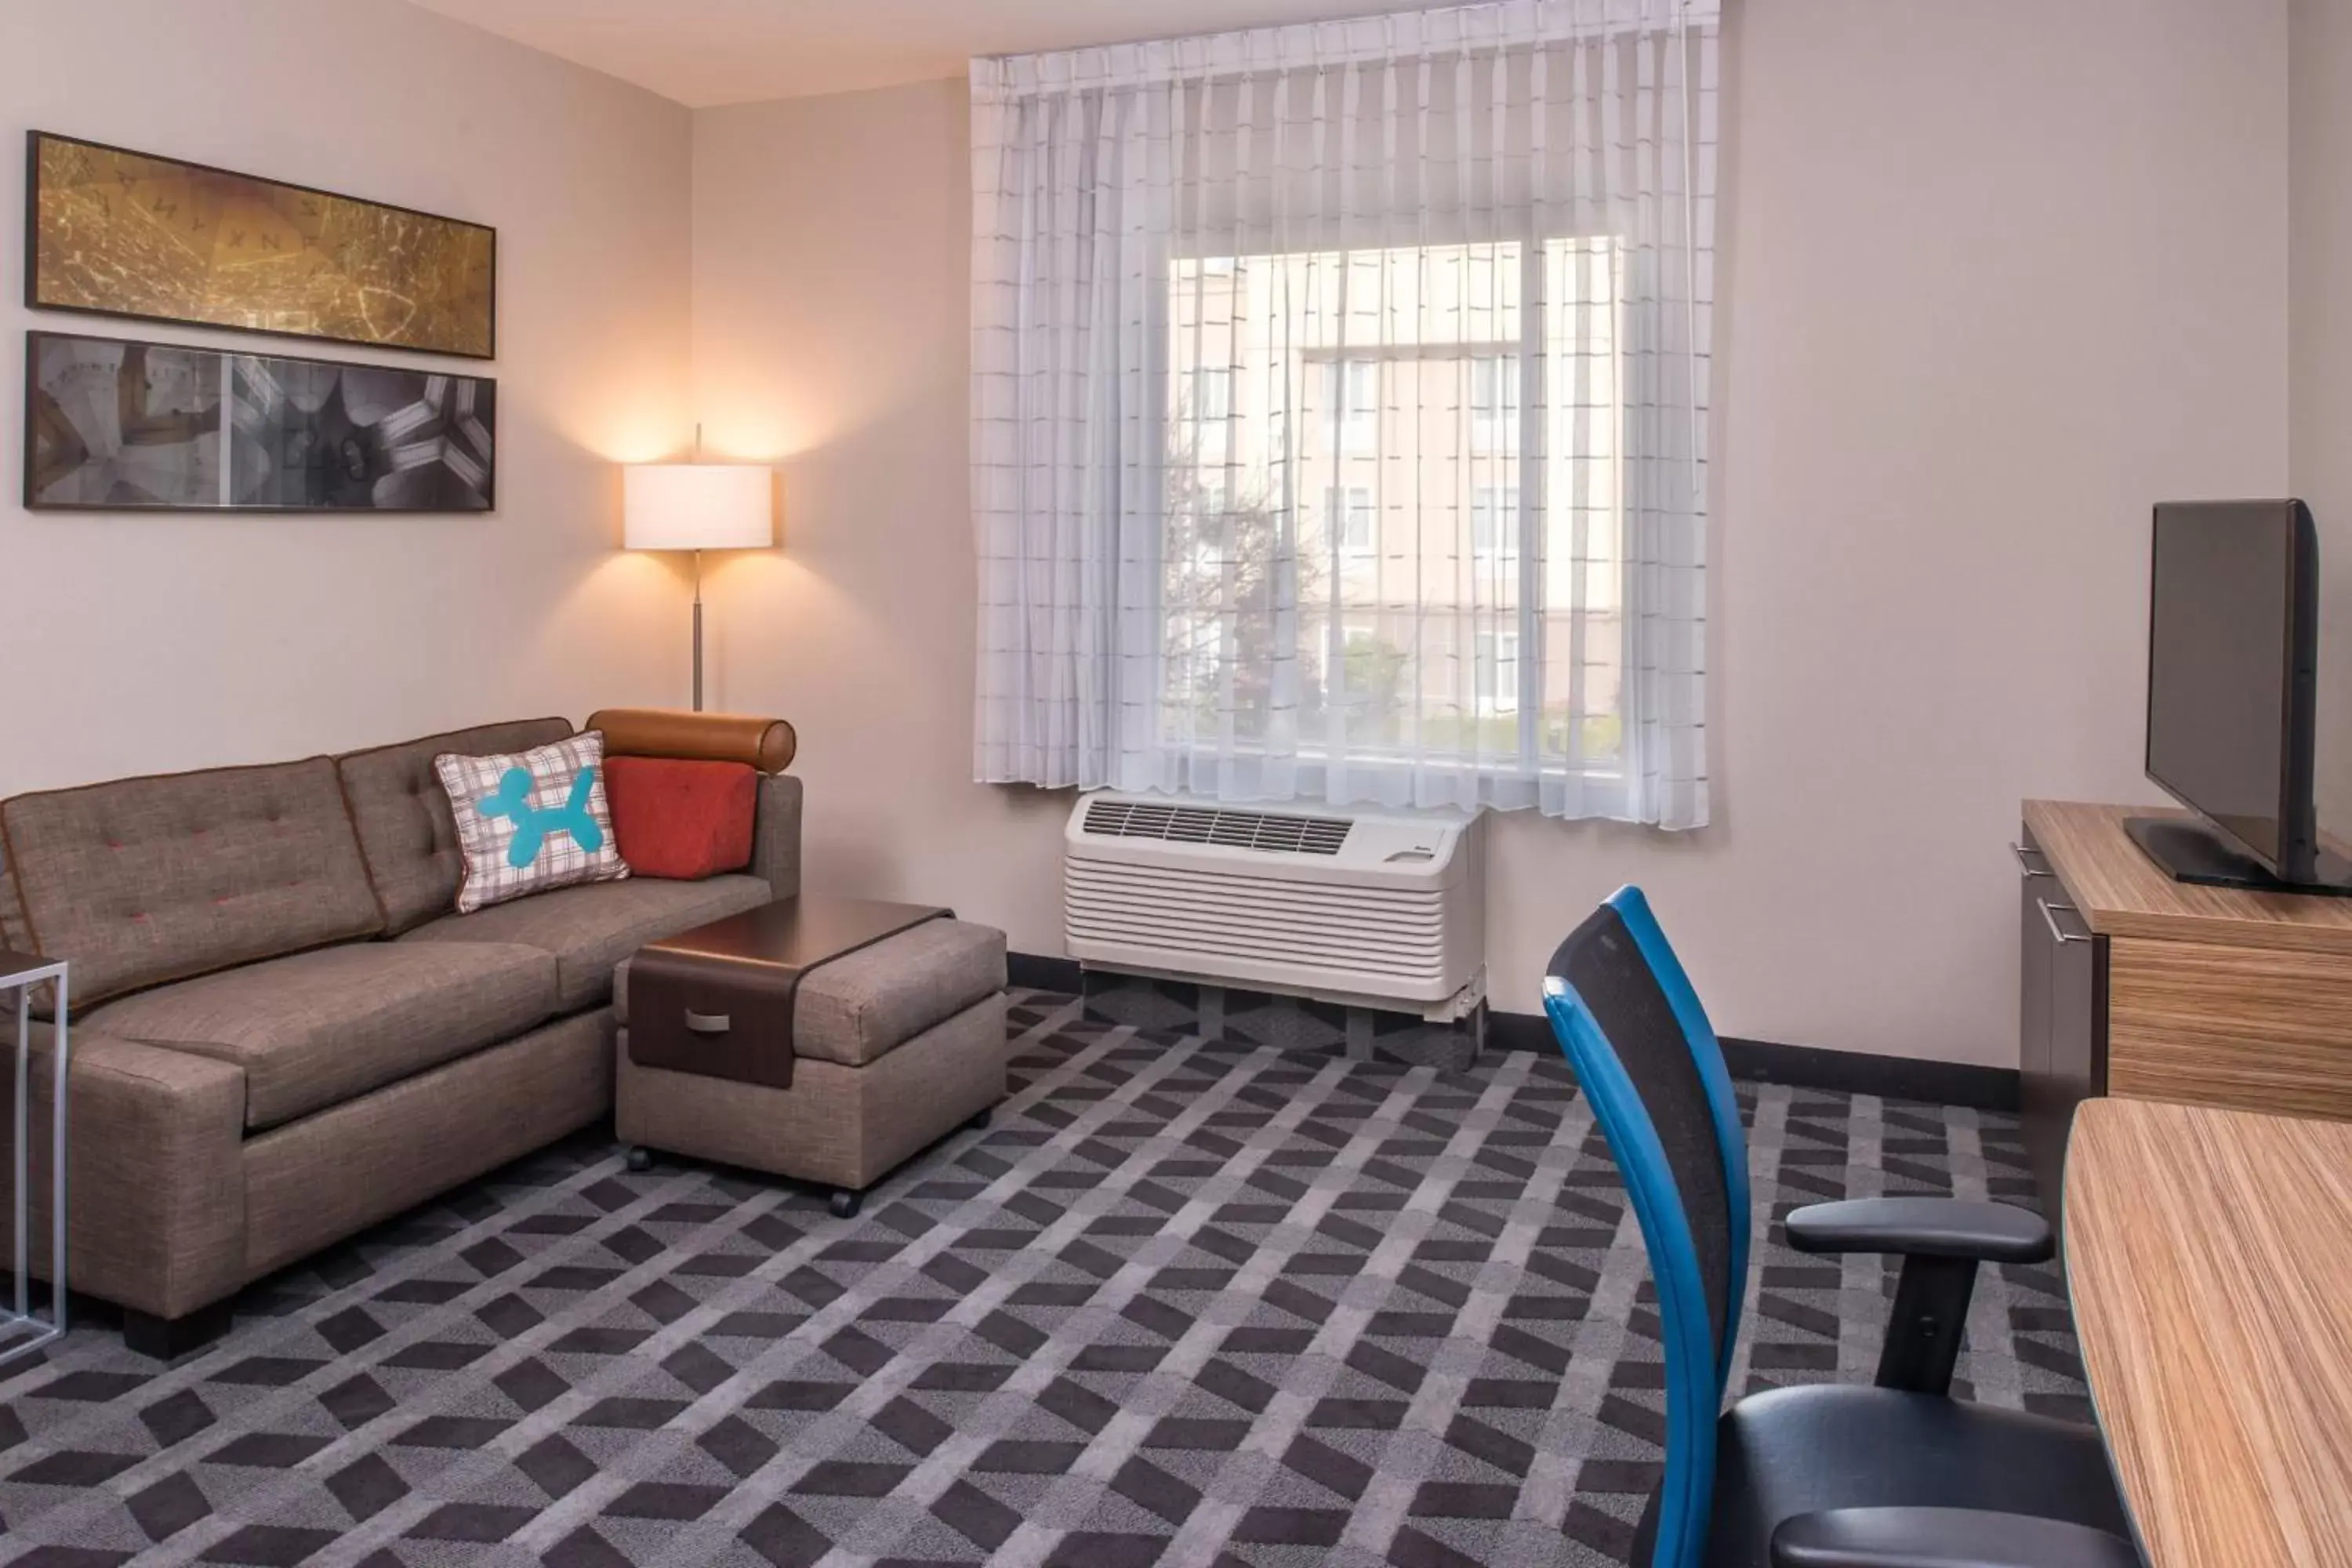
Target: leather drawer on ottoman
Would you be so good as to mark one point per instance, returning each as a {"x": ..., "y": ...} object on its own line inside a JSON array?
[{"x": 724, "y": 1022}]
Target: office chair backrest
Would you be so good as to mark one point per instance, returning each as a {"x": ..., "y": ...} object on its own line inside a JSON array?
[{"x": 1648, "y": 1063}]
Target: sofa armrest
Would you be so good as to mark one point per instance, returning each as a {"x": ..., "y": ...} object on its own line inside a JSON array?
[
  {"x": 776, "y": 834},
  {"x": 154, "y": 1171}
]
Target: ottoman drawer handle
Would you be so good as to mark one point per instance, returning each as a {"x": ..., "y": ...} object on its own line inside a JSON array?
[{"x": 708, "y": 1022}]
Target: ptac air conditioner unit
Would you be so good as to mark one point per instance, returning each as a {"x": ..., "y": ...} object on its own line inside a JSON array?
[{"x": 1388, "y": 910}]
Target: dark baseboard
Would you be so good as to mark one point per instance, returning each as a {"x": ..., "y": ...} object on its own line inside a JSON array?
[
  {"x": 1810, "y": 1066},
  {"x": 1039, "y": 972},
  {"x": 1763, "y": 1061},
  {"x": 1890, "y": 1078}
]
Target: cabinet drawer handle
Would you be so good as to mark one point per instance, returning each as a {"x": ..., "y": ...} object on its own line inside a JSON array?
[
  {"x": 2021, "y": 851},
  {"x": 2049, "y": 919},
  {"x": 708, "y": 1022}
]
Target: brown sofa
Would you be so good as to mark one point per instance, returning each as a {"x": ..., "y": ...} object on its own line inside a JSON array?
[{"x": 281, "y": 1033}]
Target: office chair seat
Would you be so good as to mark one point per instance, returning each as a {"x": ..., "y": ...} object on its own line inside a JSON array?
[{"x": 1800, "y": 1450}]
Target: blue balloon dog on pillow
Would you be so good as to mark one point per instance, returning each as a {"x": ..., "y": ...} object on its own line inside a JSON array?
[{"x": 534, "y": 823}]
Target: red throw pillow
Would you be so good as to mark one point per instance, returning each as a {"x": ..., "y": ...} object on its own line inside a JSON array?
[{"x": 681, "y": 819}]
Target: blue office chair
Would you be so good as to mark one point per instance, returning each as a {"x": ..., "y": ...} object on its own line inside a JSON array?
[{"x": 1894, "y": 1475}]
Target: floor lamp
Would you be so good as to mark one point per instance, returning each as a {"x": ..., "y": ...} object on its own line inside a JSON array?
[{"x": 697, "y": 507}]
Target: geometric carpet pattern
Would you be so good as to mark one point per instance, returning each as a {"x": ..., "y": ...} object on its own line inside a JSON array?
[{"x": 1184, "y": 1303}]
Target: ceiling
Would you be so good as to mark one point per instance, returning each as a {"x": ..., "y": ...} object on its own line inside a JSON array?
[{"x": 706, "y": 52}]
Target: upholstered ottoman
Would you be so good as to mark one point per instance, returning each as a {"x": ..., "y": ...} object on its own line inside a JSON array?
[{"x": 890, "y": 1048}]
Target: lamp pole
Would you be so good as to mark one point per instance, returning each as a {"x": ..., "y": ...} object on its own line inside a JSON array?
[{"x": 697, "y": 592}]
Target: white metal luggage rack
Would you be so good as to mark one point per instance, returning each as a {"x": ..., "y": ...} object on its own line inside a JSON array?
[{"x": 20, "y": 972}]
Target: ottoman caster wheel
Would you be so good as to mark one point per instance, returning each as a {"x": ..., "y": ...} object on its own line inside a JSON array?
[
  {"x": 983, "y": 1119},
  {"x": 640, "y": 1158},
  {"x": 844, "y": 1203}
]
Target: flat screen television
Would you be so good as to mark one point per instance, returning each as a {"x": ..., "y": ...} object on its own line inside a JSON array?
[{"x": 2232, "y": 664}]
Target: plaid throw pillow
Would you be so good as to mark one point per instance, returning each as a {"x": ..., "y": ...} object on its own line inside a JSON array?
[{"x": 529, "y": 821}]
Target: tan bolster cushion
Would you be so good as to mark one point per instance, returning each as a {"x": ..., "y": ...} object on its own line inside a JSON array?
[{"x": 767, "y": 744}]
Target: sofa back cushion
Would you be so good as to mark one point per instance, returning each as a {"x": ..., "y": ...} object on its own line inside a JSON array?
[
  {"x": 148, "y": 879},
  {"x": 13, "y": 934},
  {"x": 402, "y": 813}
]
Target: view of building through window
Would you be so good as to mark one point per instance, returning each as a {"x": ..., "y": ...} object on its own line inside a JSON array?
[{"x": 1394, "y": 503}]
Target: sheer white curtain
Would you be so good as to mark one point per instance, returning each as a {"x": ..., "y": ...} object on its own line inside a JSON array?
[{"x": 1339, "y": 410}]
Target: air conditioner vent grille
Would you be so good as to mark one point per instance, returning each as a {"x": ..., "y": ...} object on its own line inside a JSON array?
[{"x": 1268, "y": 832}]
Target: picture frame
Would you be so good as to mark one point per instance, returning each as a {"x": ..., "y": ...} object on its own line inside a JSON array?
[
  {"x": 217, "y": 248},
  {"x": 115, "y": 425}
]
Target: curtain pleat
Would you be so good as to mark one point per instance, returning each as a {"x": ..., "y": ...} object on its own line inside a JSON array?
[{"x": 1339, "y": 411}]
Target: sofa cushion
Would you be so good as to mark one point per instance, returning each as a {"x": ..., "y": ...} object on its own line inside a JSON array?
[
  {"x": 589, "y": 929},
  {"x": 318, "y": 1028},
  {"x": 146, "y": 880},
  {"x": 676, "y": 818},
  {"x": 864, "y": 1005},
  {"x": 403, "y": 816}
]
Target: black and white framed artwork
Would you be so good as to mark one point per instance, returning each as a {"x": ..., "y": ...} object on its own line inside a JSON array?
[{"x": 120, "y": 425}]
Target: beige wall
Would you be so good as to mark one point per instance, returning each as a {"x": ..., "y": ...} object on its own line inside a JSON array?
[
  {"x": 136, "y": 643},
  {"x": 2319, "y": 448},
  {"x": 1998, "y": 276},
  {"x": 831, "y": 268}
]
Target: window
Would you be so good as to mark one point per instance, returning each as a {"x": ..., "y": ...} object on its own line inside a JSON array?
[
  {"x": 1495, "y": 524},
  {"x": 1440, "y": 287},
  {"x": 1351, "y": 403},
  {"x": 1495, "y": 404},
  {"x": 1213, "y": 414},
  {"x": 1496, "y": 665},
  {"x": 1353, "y": 519},
  {"x": 1214, "y": 398},
  {"x": 1413, "y": 445}
]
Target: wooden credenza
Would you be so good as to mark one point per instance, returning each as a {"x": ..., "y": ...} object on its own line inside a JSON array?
[{"x": 2133, "y": 984}]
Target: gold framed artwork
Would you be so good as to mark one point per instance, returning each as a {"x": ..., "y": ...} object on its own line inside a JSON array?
[{"x": 112, "y": 232}]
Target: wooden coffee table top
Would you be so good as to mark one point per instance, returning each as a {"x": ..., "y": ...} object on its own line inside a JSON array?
[{"x": 795, "y": 932}]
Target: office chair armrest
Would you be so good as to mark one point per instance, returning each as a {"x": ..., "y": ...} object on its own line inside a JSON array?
[
  {"x": 1941, "y": 1241},
  {"x": 1942, "y": 1538},
  {"x": 1923, "y": 1227}
]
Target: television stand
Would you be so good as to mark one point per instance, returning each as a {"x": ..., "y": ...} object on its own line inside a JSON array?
[
  {"x": 2189, "y": 851},
  {"x": 2133, "y": 984}
]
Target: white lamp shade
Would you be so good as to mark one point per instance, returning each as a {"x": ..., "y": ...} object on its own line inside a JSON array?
[{"x": 698, "y": 506}]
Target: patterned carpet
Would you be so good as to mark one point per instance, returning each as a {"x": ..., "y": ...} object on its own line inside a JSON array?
[{"x": 1183, "y": 1304}]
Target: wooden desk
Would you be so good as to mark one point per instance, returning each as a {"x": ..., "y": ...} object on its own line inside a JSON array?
[
  {"x": 2136, "y": 985},
  {"x": 2208, "y": 1254}
]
